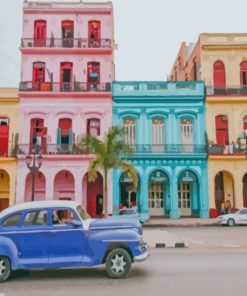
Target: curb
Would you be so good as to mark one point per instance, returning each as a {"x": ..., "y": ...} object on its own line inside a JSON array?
[
  {"x": 179, "y": 225},
  {"x": 176, "y": 245}
]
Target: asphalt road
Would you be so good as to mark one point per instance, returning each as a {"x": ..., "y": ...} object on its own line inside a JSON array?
[{"x": 205, "y": 268}]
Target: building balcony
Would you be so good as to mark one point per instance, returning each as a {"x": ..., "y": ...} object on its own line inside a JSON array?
[
  {"x": 230, "y": 90},
  {"x": 225, "y": 150},
  {"x": 81, "y": 43},
  {"x": 169, "y": 149},
  {"x": 51, "y": 149},
  {"x": 28, "y": 86}
]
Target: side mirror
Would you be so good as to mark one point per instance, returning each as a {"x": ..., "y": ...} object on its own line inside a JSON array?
[{"x": 76, "y": 223}]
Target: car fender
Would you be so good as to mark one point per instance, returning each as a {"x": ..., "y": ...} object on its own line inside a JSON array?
[
  {"x": 101, "y": 240},
  {"x": 9, "y": 249}
]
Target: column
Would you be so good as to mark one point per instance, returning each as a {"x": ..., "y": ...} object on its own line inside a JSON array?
[
  {"x": 116, "y": 192},
  {"x": 203, "y": 183},
  {"x": 175, "y": 212},
  {"x": 12, "y": 193},
  {"x": 49, "y": 185},
  {"x": 20, "y": 183},
  {"x": 144, "y": 193},
  {"x": 78, "y": 186}
]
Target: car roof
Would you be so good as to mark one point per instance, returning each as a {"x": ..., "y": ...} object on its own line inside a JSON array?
[{"x": 39, "y": 204}]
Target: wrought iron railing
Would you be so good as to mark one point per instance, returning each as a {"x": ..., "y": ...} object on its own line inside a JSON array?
[
  {"x": 230, "y": 90},
  {"x": 225, "y": 149},
  {"x": 25, "y": 149},
  {"x": 65, "y": 86},
  {"x": 66, "y": 43},
  {"x": 168, "y": 148}
]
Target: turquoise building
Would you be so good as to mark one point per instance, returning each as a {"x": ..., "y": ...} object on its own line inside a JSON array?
[{"x": 165, "y": 124}]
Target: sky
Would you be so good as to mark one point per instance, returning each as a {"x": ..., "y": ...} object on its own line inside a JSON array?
[{"x": 148, "y": 33}]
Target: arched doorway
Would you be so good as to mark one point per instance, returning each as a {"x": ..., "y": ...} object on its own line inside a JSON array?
[
  {"x": 158, "y": 191},
  {"x": 129, "y": 197},
  {"x": 94, "y": 193},
  {"x": 64, "y": 186},
  {"x": 224, "y": 189},
  {"x": 188, "y": 194},
  {"x": 4, "y": 190},
  {"x": 222, "y": 136},
  {"x": 219, "y": 75},
  {"x": 245, "y": 190},
  {"x": 39, "y": 187}
]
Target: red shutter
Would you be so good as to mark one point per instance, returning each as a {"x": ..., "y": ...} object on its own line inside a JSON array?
[{"x": 219, "y": 75}]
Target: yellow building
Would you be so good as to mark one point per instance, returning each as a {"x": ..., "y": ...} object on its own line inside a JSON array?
[
  {"x": 9, "y": 122},
  {"x": 221, "y": 61}
]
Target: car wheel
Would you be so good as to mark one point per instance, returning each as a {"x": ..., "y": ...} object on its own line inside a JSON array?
[
  {"x": 230, "y": 222},
  {"x": 5, "y": 269},
  {"x": 118, "y": 263}
]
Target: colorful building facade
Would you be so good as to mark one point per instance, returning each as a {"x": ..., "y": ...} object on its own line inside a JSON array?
[
  {"x": 221, "y": 61},
  {"x": 65, "y": 92},
  {"x": 165, "y": 125},
  {"x": 9, "y": 123}
]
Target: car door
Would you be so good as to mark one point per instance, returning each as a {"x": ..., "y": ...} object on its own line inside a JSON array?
[
  {"x": 33, "y": 237},
  {"x": 68, "y": 242},
  {"x": 242, "y": 216}
]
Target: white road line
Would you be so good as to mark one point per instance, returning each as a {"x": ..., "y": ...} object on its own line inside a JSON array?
[{"x": 231, "y": 246}]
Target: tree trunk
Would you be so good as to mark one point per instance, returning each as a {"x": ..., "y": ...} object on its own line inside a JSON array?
[{"x": 105, "y": 194}]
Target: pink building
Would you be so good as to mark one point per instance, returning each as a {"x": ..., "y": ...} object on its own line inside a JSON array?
[{"x": 65, "y": 92}]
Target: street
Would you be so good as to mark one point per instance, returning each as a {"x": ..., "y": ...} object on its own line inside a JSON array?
[{"x": 213, "y": 264}]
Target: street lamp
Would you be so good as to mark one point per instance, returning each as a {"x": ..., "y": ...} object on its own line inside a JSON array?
[{"x": 34, "y": 163}]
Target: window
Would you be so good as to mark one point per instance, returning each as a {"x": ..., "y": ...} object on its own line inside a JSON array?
[
  {"x": 39, "y": 33},
  {"x": 245, "y": 125},
  {"x": 83, "y": 214},
  {"x": 243, "y": 212},
  {"x": 221, "y": 122},
  {"x": 12, "y": 220},
  {"x": 93, "y": 127},
  {"x": 195, "y": 70},
  {"x": 68, "y": 33},
  {"x": 64, "y": 133},
  {"x": 4, "y": 136},
  {"x": 243, "y": 73},
  {"x": 63, "y": 216},
  {"x": 219, "y": 75},
  {"x": 38, "y": 75},
  {"x": 158, "y": 134},
  {"x": 94, "y": 33},
  {"x": 130, "y": 131},
  {"x": 93, "y": 75},
  {"x": 36, "y": 218},
  {"x": 186, "y": 126},
  {"x": 66, "y": 73}
]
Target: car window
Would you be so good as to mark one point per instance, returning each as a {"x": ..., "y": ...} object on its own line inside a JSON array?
[
  {"x": 36, "y": 218},
  {"x": 127, "y": 212},
  {"x": 82, "y": 212},
  {"x": 243, "y": 212},
  {"x": 63, "y": 216},
  {"x": 11, "y": 220}
]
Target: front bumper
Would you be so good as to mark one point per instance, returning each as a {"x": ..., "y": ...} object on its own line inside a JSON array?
[{"x": 144, "y": 255}]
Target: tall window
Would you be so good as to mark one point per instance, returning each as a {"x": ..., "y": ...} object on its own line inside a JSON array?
[
  {"x": 66, "y": 70},
  {"x": 158, "y": 134},
  {"x": 130, "y": 131},
  {"x": 68, "y": 33},
  {"x": 219, "y": 75},
  {"x": 243, "y": 73},
  {"x": 93, "y": 75},
  {"x": 94, "y": 33},
  {"x": 39, "y": 33},
  {"x": 195, "y": 70},
  {"x": 221, "y": 123},
  {"x": 245, "y": 125},
  {"x": 38, "y": 134},
  {"x": 64, "y": 133},
  {"x": 4, "y": 136},
  {"x": 38, "y": 75},
  {"x": 186, "y": 128},
  {"x": 93, "y": 126}
]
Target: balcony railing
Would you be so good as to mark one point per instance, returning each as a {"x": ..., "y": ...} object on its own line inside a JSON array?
[
  {"x": 65, "y": 86},
  {"x": 169, "y": 148},
  {"x": 230, "y": 90},
  {"x": 25, "y": 149},
  {"x": 225, "y": 150},
  {"x": 66, "y": 43}
]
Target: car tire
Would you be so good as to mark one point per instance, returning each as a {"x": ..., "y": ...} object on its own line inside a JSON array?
[
  {"x": 118, "y": 263},
  {"x": 5, "y": 268},
  {"x": 230, "y": 222}
]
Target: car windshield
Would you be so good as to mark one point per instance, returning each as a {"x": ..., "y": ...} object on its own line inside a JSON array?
[
  {"x": 127, "y": 212},
  {"x": 83, "y": 214}
]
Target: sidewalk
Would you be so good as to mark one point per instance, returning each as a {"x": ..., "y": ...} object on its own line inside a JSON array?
[{"x": 181, "y": 222}]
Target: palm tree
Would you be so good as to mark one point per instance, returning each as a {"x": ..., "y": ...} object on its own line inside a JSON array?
[{"x": 108, "y": 155}]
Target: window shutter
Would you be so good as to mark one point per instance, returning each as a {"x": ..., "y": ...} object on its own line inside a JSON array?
[
  {"x": 59, "y": 137},
  {"x": 70, "y": 139}
]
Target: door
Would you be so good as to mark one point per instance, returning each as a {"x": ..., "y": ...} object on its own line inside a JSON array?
[
  {"x": 93, "y": 75},
  {"x": 68, "y": 244},
  {"x": 187, "y": 135},
  {"x": 222, "y": 137},
  {"x": 66, "y": 76},
  {"x": 68, "y": 33},
  {"x": 184, "y": 198},
  {"x": 156, "y": 198},
  {"x": 38, "y": 75},
  {"x": 4, "y": 136},
  {"x": 40, "y": 33},
  {"x": 94, "y": 33},
  {"x": 4, "y": 204},
  {"x": 158, "y": 135},
  {"x": 33, "y": 241},
  {"x": 38, "y": 135}
]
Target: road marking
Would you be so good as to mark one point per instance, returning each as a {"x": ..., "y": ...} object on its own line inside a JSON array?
[{"x": 231, "y": 246}]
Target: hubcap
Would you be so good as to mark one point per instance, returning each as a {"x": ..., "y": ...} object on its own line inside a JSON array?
[
  {"x": 2, "y": 267},
  {"x": 118, "y": 263}
]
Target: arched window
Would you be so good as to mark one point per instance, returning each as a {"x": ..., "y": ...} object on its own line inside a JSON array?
[
  {"x": 93, "y": 126},
  {"x": 219, "y": 75},
  {"x": 94, "y": 33},
  {"x": 130, "y": 131},
  {"x": 243, "y": 73},
  {"x": 68, "y": 33},
  {"x": 221, "y": 123},
  {"x": 39, "y": 33}
]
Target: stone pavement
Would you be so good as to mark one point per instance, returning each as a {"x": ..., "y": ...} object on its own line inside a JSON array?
[{"x": 182, "y": 222}]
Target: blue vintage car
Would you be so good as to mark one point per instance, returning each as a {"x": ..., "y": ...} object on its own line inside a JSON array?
[{"x": 54, "y": 234}]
